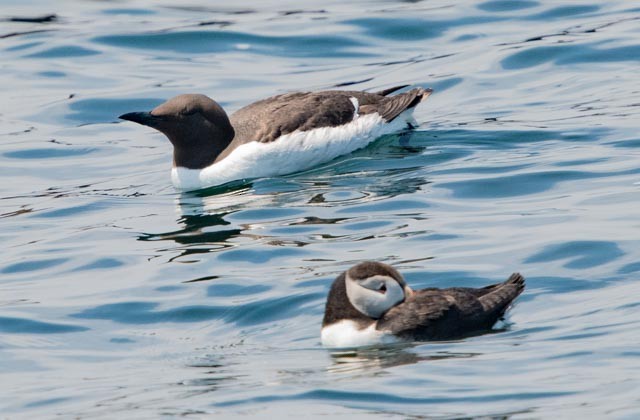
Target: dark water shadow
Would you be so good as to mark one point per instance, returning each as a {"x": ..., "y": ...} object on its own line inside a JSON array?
[
  {"x": 493, "y": 138},
  {"x": 64, "y": 51},
  {"x": 563, "y": 12},
  {"x": 579, "y": 254},
  {"x": 242, "y": 315},
  {"x": 506, "y": 5},
  {"x": 32, "y": 19},
  {"x": 415, "y": 29},
  {"x": 105, "y": 110},
  {"x": 569, "y": 54},
  {"x": 224, "y": 41},
  {"x": 12, "y": 325},
  {"x": 379, "y": 401},
  {"x": 33, "y": 265}
]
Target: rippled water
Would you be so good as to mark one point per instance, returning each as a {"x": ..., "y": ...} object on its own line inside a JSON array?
[{"x": 120, "y": 296}]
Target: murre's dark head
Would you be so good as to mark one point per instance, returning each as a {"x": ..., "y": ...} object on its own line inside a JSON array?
[
  {"x": 196, "y": 125},
  {"x": 364, "y": 292}
]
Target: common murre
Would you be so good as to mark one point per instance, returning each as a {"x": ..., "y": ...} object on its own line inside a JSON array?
[
  {"x": 371, "y": 304},
  {"x": 275, "y": 136}
]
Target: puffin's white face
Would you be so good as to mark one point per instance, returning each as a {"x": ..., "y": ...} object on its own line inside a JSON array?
[{"x": 374, "y": 295}]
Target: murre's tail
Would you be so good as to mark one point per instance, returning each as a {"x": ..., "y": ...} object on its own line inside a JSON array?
[{"x": 392, "y": 106}]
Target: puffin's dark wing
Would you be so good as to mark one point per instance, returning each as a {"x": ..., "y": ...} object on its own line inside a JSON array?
[
  {"x": 438, "y": 314},
  {"x": 475, "y": 292},
  {"x": 421, "y": 316},
  {"x": 266, "y": 120}
]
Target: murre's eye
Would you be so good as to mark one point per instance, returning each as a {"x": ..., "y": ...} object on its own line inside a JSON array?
[{"x": 189, "y": 111}]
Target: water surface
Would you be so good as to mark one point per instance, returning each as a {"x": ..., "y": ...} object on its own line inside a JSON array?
[{"x": 120, "y": 296}]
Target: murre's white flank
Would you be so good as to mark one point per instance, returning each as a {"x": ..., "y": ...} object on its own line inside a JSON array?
[
  {"x": 275, "y": 136},
  {"x": 290, "y": 153}
]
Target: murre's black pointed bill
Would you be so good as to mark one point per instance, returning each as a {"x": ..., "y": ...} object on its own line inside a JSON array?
[{"x": 144, "y": 118}]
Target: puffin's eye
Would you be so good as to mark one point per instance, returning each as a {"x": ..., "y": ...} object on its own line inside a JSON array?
[{"x": 382, "y": 288}]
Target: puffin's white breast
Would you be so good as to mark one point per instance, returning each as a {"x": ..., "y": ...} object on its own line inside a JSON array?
[
  {"x": 346, "y": 334},
  {"x": 290, "y": 153}
]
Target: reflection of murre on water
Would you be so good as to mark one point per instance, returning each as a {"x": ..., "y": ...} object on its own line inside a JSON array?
[
  {"x": 201, "y": 230},
  {"x": 197, "y": 235},
  {"x": 370, "y": 304},
  {"x": 202, "y": 220}
]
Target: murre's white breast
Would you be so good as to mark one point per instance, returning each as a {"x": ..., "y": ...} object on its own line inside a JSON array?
[
  {"x": 290, "y": 153},
  {"x": 345, "y": 333}
]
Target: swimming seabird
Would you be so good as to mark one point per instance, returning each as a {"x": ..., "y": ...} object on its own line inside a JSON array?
[
  {"x": 371, "y": 303},
  {"x": 275, "y": 136}
]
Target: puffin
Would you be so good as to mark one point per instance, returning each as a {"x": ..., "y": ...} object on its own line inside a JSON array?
[
  {"x": 275, "y": 136},
  {"x": 371, "y": 304}
]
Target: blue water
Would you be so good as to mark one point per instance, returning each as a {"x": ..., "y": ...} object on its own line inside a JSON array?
[{"x": 120, "y": 297}]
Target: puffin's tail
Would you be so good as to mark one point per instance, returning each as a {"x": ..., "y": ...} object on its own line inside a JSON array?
[{"x": 498, "y": 300}]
